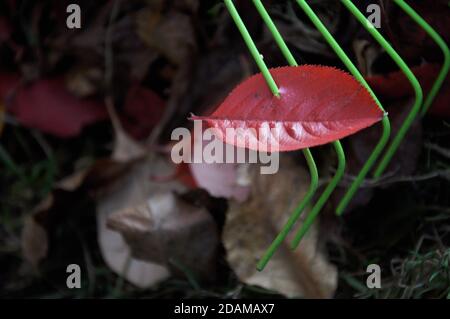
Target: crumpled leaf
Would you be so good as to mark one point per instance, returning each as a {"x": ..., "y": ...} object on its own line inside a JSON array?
[
  {"x": 251, "y": 226},
  {"x": 171, "y": 232},
  {"x": 126, "y": 192},
  {"x": 34, "y": 239},
  {"x": 366, "y": 53},
  {"x": 171, "y": 35},
  {"x": 84, "y": 81},
  {"x": 47, "y": 105},
  {"x": 318, "y": 105},
  {"x": 303, "y": 36}
]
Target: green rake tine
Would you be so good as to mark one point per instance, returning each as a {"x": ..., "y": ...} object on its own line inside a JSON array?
[
  {"x": 310, "y": 160},
  {"x": 385, "y": 121},
  {"x": 323, "y": 198},
  {"x": 412, "y": 79},
  {"x": 306, "y": 152},
  {"x": 440, "y": 42},
  {"x": 337, "y": 145},
  {"x": 252, "y": 47}
]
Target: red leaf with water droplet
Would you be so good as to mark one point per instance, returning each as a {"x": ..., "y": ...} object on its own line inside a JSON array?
[{"x": 317, "y": 105}]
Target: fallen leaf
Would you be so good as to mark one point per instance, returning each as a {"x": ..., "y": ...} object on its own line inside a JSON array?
[
  {"x": 251, "y": 226},
  {"x": 84, "y": 81},
  {"x": 317, "y": 105},
  {"x": 408, "y": 37},
  {"x": 172, "y": 35},
  {"x": 142, "y": 110},
  {"x": 47, "y": 105},
  {"x": 128, "y": 191},
  {"x": 366, "y": 54},
  {"x": 303, "y": 36},
  {"x": 169, "y": 231},
  {"x": 219, "y": 179},
  {"x": 125, "y": 147},
  {"x": 34, "y": 239},
  {"x": 395, "y": 85}
]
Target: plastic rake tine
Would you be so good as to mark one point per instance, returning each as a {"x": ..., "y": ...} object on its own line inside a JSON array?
[
  {"x": 309, "y": 158},
  {"x": 252, "y": 47},
  {"x": 306, "y": 152},
  {"x": 442, "y": 45},
  {"x": 337, "y": 146},
  {"x": 412, "y": 79},
  {"x": 385, "y": 121}
]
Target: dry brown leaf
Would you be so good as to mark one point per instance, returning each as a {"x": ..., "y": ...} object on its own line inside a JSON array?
[
  {"x": 126, "y": 192},
  {"x": 125, "y": 148},
  {"x": 250, "y": 228},
  {"x": 34, "y": 239},
  {"x": 84, "y": 81},
  {"x": 366, "y": 54},
  {"x": 301, "y": 35},
  {"x": 172, "y": 36},
  {"x": 168, "y": 231}
]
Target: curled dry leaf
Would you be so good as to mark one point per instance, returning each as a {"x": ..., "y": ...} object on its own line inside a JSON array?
[
  {"x": 168, "y": 231},
  {"x": 366, "y": 54},
  {"x": 125, "y": 147},
  {"x": 251, "y": 226},
  {"x": 302, "y": 35},
  {"x": 34, "y": 239},
  {"x": 127, "y": 192},
  {"x": 171, "y": 35},
  {"x": 84, "y": 81}
]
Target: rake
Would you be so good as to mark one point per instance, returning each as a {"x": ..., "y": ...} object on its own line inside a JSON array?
[{"x": 417, "y": 107}]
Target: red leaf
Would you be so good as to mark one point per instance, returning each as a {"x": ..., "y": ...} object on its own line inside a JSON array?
[
  {"x": 317, "y": 105},
  {"x": 395, "y": 86},
  {"x": 143, "y": 109},
  {"x": 49, "y": 107}
]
